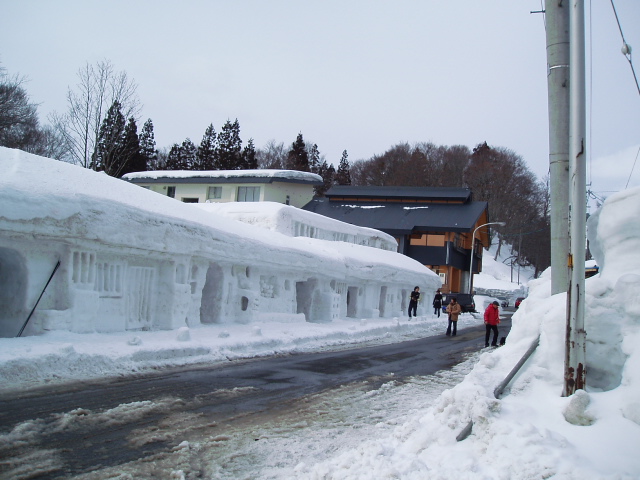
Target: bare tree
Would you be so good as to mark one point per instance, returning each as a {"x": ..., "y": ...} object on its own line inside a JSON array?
[
  {"x": 98, "y": 87},
  {"x": 47, "y": 143},
  {"x": 18, "y": 116},
  {"x": 272, "y": 155}
]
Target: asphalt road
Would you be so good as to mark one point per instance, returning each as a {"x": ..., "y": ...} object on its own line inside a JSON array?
[{"x": 91, "y": 425}]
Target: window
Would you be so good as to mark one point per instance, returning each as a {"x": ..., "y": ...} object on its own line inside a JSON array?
[
  {"x": 435, "y": 240},
  {"x": 84, "y": 266},
  {"x": 190, "y": 199},
  {"x": 214, "y": 193},
  {"x": 109, "y": 279},
  {"x": 171, "y": 192},
  {"x": 458, "y": 241},
  {"x": 428, "y": 240},
  {"x": 248, "y": 194},
  {"x": 417, "y": 239}
]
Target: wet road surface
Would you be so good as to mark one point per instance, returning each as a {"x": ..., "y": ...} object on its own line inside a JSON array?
[{"x": 91, "y": 425}]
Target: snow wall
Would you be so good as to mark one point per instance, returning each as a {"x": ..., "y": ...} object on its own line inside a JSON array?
[
  {"x": 294, "y": 222},
  {"x": 131, "y": 259}
]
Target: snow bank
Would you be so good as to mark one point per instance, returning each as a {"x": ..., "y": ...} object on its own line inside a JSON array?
[
  {"x": 295, "y": 222},
  {"x": 131, "y": 259}
]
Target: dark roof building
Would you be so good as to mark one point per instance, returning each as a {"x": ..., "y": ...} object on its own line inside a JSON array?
[{"x": 432, "y": 225}]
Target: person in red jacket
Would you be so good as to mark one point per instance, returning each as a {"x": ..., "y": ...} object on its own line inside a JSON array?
[{"x": 491, "y": 321}]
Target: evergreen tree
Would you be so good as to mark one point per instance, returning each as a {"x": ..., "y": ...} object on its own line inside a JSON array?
[
  {"x": 188, "y": 153},
  {"x": 229, "y": 147},
  {"x": 148, "y": 146},
  {"x": 298, "y": 158},
  {"x": 329, "y": 177},
  {"x": 131, "y": 156},
  {"x": 110, "y": 142},
  {"x": 174, "y": 159},
  {"x": 207, "y": 150},
  {"x": 327, "y": 172},
  {"x": 314, "y": 159},
  {"x": 249, "y": 159},
  {"x": 163, "y": 155},
  {"x": 320, "y": 190},
  {"x": 343, "y": 176}
]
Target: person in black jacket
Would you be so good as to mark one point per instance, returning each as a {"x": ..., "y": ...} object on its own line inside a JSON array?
[
  {"x": 437, "y": 303},
  {"x": 413, "y": 301}
]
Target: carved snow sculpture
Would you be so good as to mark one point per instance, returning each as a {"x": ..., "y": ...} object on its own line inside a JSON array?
[{"x": 132, "y": 259}]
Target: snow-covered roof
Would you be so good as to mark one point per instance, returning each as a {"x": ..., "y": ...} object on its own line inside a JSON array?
[
  {"x": 402, "y": 218},
  {"x": 224, "y": 176}
]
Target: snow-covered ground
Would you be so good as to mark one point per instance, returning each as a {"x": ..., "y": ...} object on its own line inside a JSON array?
[{"x": 530, "y": 432}]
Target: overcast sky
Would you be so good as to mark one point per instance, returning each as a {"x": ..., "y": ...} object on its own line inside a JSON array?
[{"x": 349, "y": 75}]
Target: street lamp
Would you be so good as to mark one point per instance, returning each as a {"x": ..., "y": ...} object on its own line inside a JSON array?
[{"x": 473, "y": 244}]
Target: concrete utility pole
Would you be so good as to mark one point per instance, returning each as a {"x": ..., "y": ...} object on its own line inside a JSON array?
[
  {"x": 575, "y": 367},
  {"x": 557, "y": 25}
]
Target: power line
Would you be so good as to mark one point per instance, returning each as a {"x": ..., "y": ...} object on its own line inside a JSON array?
[
  {"x": 634, "y": 166},
  {"x": 626, "y": 51},
  {"x": 626, "y": 48}
]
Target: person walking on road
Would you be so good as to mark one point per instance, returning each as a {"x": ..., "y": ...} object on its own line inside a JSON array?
[
  {"x": 413, "y": 302},
  {"x": 491, "y": 321},
  {"x": 437, "y": 303},
  {"x": 454, "y": 310}
]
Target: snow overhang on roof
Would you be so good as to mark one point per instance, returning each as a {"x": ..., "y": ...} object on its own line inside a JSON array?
[{"x": 224, "y": 176}]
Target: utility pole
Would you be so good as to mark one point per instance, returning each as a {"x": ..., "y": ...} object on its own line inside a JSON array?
[
  {"x": 557, "y": 36},
  {"x": 575, "y": 367}
]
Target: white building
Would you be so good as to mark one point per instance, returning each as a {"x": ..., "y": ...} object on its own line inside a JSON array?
[
  {"x": 131, "y": 259},
  {"x": 289, "y": 187}
]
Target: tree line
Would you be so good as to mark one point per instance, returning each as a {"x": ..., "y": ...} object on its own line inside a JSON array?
[{"x": 99, "y": 131}]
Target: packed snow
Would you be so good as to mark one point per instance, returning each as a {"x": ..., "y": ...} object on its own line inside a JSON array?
[
  {"x": 133, "y": 259},
  {"x": 529, "y": 432}
]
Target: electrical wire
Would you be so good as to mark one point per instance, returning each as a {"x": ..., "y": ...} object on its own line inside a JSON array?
[
  {"x": 634, "y": 166},
  {"x": 626, "y": 49}
]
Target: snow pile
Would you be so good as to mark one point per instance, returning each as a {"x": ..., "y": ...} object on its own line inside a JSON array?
[
  {"x": 295, "y": 222},
  {"x": 126, "y": 214},
  {"x": 131, "y": 259},
  {"x": 531, "y": 432}
]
